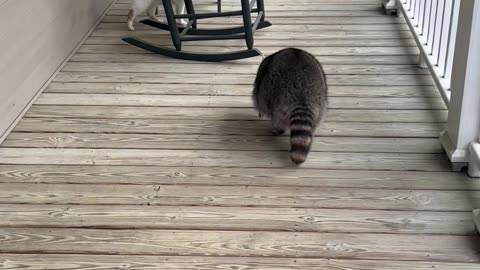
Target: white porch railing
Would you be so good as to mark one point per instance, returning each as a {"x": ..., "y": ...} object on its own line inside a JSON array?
[
  {"x": 434, "y": 25},
  {"x": 447, "y": 33}
]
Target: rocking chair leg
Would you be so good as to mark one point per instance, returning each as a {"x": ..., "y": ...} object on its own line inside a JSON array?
[
  {"x": 188, "y": 34},
  {"x": 261, "y": 7},
  {"x": 247, "y": 23},
  {"x": 219, "y": 6},
  {"x": 190, "y": 10},
  {"x": 172, "y": 24}
]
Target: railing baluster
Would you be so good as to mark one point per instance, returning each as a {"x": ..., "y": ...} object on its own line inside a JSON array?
[
  {"x": 414, "y": 10},
  {"x": 426, "y": 21},
  {"x": 452, "y": 40},
  {"x": 445, "y": 38},
  {"x": 417, "y": 12},
  {"x": 438, "y": 30},
  {"x": 432, "y": 24},
  {"x": 410, "y": 10},
  {"x": 421, "y": 17}
]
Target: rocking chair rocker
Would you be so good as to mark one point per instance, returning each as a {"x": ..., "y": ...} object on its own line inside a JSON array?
[{"x": 191, "y": 33}]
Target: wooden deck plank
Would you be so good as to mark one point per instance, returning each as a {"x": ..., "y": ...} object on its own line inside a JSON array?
[
  {"x": 221, "y": 158},
  {"x": 272, "y": 7},
  {"x": 325, "y": 59},
  {"x": 232, "y": 79},
  {"x": 228, "y": 2},
  {"x": 205, "y": 127},
  {"x": 260, "y": 35},
  {"x": 215, "y": 142},
  {"x": 286, "y": 27},
  {"x": 236, "y": 219},
  {"x": 317, "y": 51},
  {"x": 229, "y": 90},
  {"x": 279, "y": 177},
  {"x": 376, "y": 103},
  {"x": 240, "y": 196},
  {"x": 73, "y": 262},
  {"x": 240, "y": 69},
  {"x": 377, "y": 12},
  {"x": 219, "y": 243},
  {"x": 223, "y": 113},
  {"x": 349, "y": 20},
  {"x": 306, "y": 43},
  {"x": 325, "y": 50}
]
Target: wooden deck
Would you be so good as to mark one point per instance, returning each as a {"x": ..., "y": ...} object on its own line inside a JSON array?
[{"x": 135, "y": 161}]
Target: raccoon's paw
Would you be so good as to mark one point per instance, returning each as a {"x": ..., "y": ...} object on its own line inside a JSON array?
[
  {"x": 277, "y": 131},
  {"x": 260, "y": 115}
]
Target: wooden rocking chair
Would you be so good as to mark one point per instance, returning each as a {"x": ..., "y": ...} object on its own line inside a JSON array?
[{"x": 191, "y": 33}]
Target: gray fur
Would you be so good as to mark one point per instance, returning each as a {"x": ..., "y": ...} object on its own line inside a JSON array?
[{"x": 291, "y": 89}]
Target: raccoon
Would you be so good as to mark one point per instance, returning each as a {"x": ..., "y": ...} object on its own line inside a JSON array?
[{"x": 291, "y": 89}]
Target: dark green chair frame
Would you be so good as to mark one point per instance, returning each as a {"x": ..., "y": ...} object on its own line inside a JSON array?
[{"x": 191, "y": 32}]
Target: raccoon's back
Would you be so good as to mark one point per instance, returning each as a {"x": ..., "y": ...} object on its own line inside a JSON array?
[{"x": 290, "y": 76}]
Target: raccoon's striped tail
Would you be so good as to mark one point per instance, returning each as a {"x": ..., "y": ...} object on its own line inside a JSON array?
[{"x": 301, "y": 132}]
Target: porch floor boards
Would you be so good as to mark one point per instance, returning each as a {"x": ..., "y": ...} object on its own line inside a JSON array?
[{"x": 131, "y": 160}]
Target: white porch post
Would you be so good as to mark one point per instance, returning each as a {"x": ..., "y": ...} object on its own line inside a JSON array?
[
  {"x": 474, "y": 171},
  {"x": 474, "y": 161},
  {"x": 390, "y": 6},
  {"x": 463, "y": 127}
]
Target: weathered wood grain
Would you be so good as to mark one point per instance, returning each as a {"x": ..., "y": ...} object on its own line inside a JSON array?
[
  {"x": 274, "y": 35},
  {"x": 220, "y": 243},
  {"x": 232, "y": 79},
  {"x": 299, "y": 13},
  {"x": 300, "y": 42},
  {"x": 236, "y": 218},
  {"x": 272, "y": 7},
  {"x": 180, "y": 101},
  {"x": 239, "y": 69},
  {"x": 324, "y": 59},
  {"x": 286, "y": 27},
  {"x": 215, "y": 142},
  {"x": 223, "y": 113},
  {"x": 222, "y": 158},
  {"x": 74, "y": 262},
  {"x": 240, "y": 196},
  {"x": 317, "y": 51},
  {"x": 229, "y": 90},
  {"x": 286, "y": 177},
  {"x": 206, "y": 127}
]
